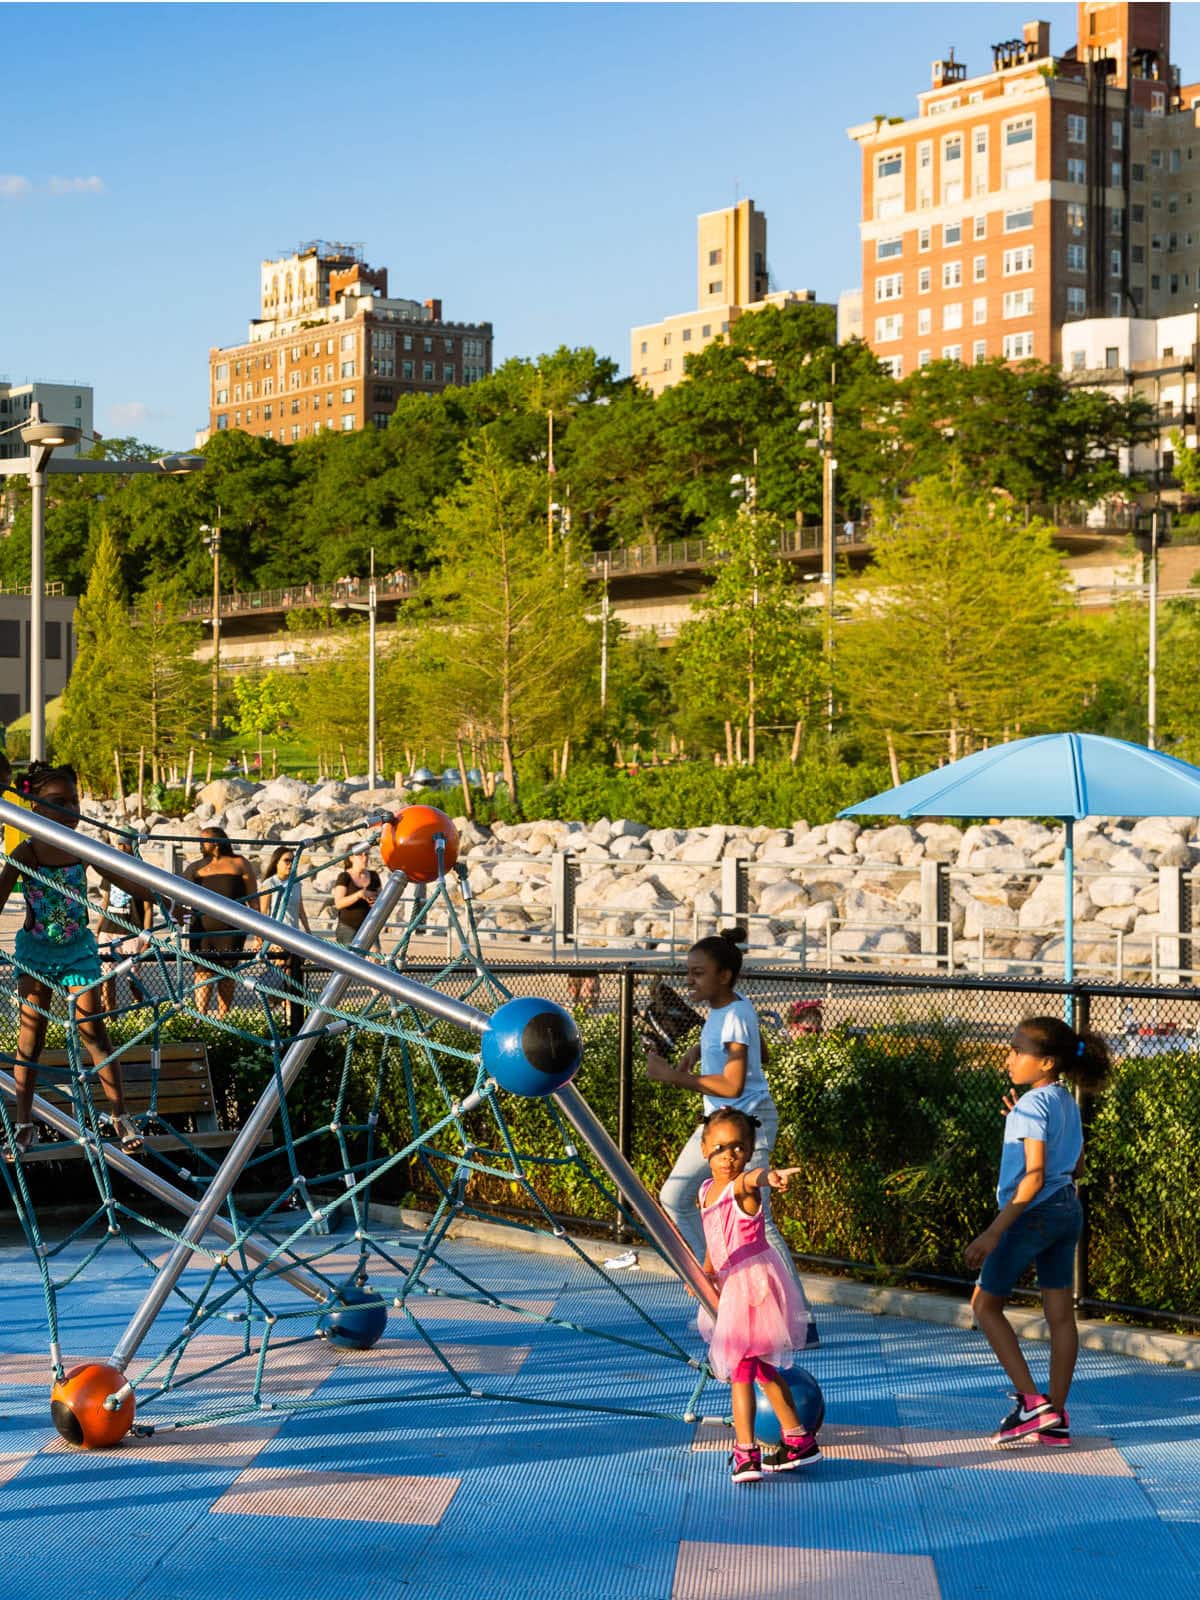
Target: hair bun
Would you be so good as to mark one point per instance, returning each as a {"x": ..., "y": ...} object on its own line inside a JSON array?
[{"x": 735, "y": 935}]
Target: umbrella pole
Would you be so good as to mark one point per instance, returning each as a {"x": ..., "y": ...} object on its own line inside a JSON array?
[{"x": 1069, "y": 919}]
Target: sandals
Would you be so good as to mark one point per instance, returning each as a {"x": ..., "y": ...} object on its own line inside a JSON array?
[
  {"x": 24, "y": 1137},
  {"x": 125, "y": 1131}
]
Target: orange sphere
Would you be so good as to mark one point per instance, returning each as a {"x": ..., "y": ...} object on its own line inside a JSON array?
[
  {"x": 407, "y": 843},
  {"x": 78, "y": 1411}
]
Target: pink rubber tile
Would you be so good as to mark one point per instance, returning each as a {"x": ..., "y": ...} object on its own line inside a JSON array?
[
  {"x": 10, "y": 1465},
  {"x": 343, "y": 1496},
  {"x": 1084, "y": 1458},
  {"x": 706, "y": 1571},
  {"x": 843, "y": 1443},
  {"x": 32, "y": 1369}
]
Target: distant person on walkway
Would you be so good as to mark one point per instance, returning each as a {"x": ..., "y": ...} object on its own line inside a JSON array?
[
  {"x": 731, "y": 1078},
  {"x": 281, "y": 895},
  {"x": 56, "y": 950},
  {"x": 354, "y": 893},
  {"x": 221, "y": 870},
  {"x": 1040, "y": 1218}
]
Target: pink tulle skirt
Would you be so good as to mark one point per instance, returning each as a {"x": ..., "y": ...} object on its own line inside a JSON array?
[{"x": 760, "y": 1314}]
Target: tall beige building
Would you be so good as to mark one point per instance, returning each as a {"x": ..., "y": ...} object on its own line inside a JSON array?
[{"x": 731, "y": 279}]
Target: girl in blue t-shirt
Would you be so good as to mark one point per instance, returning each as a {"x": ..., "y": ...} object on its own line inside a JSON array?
[
  {"x": 731, "y": 1078},
  {"x": 1040, "y": 1219}
]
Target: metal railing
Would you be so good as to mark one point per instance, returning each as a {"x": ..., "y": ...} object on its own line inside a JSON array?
[{"x": 300, "y": 596}]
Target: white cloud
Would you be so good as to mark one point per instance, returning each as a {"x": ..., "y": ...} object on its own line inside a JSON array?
[
  {"x": 13, "y": 187},
  {"x": 76, "y": 186},
  {"x": 129, "y": 415}
]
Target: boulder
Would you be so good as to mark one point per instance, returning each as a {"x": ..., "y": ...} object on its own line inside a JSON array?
[
  {"x": 783, "y": 896},
  {"x": 285, "y": 791},
  {"x": 885, "y": 844},
  {"x": 222, "y": 792},
  {"x": 327, "y": 796},
  {"x": 1110, "y": 892},
  {"x": 942, "y": 840},
  {"x": 818, "y": 917},
  {"x": 704, "y": 845},
  {"x": 1123, "y": 918},
  {"x": 841, "y": 836},
  {"x": 623, "y": 828}
]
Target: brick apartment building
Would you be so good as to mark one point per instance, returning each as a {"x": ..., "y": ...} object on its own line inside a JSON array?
[
  {"x": 1047, "y": 189},
  {"x": 331, "y": 350}
]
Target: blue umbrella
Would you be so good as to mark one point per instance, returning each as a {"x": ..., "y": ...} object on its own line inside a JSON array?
[{"x": 1066, "y": 775}]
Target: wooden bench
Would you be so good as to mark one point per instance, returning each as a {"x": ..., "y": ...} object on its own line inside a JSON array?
[{"x": 185, "y": 1091}]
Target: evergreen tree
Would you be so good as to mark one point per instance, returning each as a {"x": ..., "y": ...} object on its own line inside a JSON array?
[
  {"x": 162, "y": 690},
  {"x": 96, "y": 717}
]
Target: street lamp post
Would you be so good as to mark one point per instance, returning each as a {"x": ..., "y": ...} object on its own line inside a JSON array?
[
  {"x": 42, "y": 439},
  {"x": 211, "y": 536},
  {"x": 371, "y": 608},
  {"x": 1152, "y": 663}
]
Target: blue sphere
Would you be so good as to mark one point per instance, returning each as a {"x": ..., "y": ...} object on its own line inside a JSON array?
[
  {"x": 358, "y": 1319},
  {"x": 806, "y": 1396},
  {"x": 531, "y": 1047}
]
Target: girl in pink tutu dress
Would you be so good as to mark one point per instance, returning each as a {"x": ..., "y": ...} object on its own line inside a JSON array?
[{"x": 761, "y": 1319}]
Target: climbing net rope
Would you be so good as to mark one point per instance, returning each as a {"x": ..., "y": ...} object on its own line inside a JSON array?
[{"x": 304, "y": 1293}]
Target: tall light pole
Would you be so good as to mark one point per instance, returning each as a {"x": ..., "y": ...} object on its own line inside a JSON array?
[
  {"x": 372, "y": 609},
  {"x": 211, "y": 535},
  {"x": 42, "y": 439},
  {"x": 1152, "y": 664}
]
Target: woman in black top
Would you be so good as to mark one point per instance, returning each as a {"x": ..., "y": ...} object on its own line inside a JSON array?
[
  {"x": 224, "y": 872},
  {"x": 353, "y": 895}
]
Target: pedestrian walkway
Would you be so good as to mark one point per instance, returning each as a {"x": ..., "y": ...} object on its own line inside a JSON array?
[{"x": 470, "y": 1500}]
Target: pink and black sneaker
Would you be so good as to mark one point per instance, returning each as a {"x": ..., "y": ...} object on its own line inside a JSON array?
[
  {"x": 796, "y": 1450},
  {"x": 1056, "y": 1432},
  {"x": 747, "y": 1464},
  {"x": 1025, "y": 1422}
]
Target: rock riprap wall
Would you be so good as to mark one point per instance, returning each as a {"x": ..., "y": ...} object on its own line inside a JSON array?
[{"x": 855, "y": 891}]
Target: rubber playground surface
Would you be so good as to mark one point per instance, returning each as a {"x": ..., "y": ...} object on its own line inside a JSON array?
[{"x": 479, "y": 1499}]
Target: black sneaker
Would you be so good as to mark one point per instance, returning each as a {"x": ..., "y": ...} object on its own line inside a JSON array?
[
  {"x": 801, "y": 1450},
  {"x": 747, "y": 1464},
  {"x": 1056, "y": 1431},
  {"x": 811, "y": 1338}
]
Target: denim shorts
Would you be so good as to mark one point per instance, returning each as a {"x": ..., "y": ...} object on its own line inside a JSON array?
[{"x": 1045, "y": 1235}]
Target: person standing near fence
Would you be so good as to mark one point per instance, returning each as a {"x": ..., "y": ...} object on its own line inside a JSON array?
[
  {"x": 731, "y": 1078},
  {"x": 1040, "y": 1217}
]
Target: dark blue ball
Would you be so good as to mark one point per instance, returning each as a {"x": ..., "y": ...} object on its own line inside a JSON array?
[
  {"x": 531, "y": 1047},
  {"x": 357, "y": 1321},
  {"x": 806, "y": 1396}
]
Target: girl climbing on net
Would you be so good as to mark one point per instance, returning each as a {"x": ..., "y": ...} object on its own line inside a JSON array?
[
  {"x": 56, "y": 950},
  {"x": 761, "y": 1318}
]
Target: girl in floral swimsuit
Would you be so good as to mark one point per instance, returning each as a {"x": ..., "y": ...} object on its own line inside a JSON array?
[{"x": 57, "y": 950}]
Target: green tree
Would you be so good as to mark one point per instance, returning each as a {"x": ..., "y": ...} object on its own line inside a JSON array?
[
  {"x": 263, "y": 703},
  {"x": 964, "y": 631},
  {"x": 163, "y": 689},
  {"x": 505, "y": 651},
  {"x": 95, "y": 714},
  {"x": 752, "y": 650}
]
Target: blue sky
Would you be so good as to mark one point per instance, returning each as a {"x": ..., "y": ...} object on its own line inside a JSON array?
[{"x": 540, "y": 166}]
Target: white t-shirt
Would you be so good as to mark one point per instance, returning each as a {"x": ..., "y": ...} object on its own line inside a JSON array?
[
  {"x": 286, "y": 899},
  {"x": 735, "y": 1023}
]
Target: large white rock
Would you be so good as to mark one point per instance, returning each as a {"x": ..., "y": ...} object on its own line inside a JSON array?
[
  {"x": 221, "y": 792},
  {"x": 1123, "y": 918},
  {"x": 999, "y": 858},
  {"x": 623, "y": 828},
  {"x": 286, "y": 791},
  {"x": 942, "y": 840},
  {"x": 1159, "y": 833},
  {"x": 885, "y": 844},
  {"x": 980, "y": 836},
  {"x": 1112, "y": 891},
  {"x": 704, "y": 845},
  {"x": 818, "y": 917},
  {"x": 783, "y": 896},
  {"x": 841, "y": 836}
]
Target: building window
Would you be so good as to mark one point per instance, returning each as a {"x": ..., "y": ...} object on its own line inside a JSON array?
[
  {"x": 924, "y": 319},
  {"x": 706, "y": 331},
  {"x": 889, "y": 165},
  {"x": 891, "y": 365},
  {"x": 716, "y": 286},
  {"x": 1076, "y": 301},
  {"x": 979, "y": 311},
  {"x": 714, "y": 258},
  {"x": 666, "y": 338},
  {"x": 1076, "y": 258},
  {"x": 222, "y": 397},
  {"x": 295, "y": 408},
  {"x": 222, "y": 421},
  {"x": 427, "y": 370},
  {"x": 1076, "y": 169},
  {"x": 951, "y": 274},
  {"x": 952, "y": 316},
  {"x": 644, "y": 343},
  {"x": 268, "y": 412},
  {"x": 295, "y": 431},
  {"x": 1118, "y": 174},
  {"x": 979, "y": 142},
  {"x": 981, "y": 227},
  {"x": 889, "y": 287},
  {"x": 1137, "y": 255},
  {"x": 1018, "y": 346},
  {"x": 1116, "y": 222},
  {"x": 316, "y": 402},
  {"x": 979, "y": 350},
  {"x": 348, "y": 424},
  {"x": 1137, "y": 172},
  {"x": 924, "y": 357},
  {"x": 952, "y": 352},
  {"x": 447, "y": 373},
  {"x": 347, "y": 369},
  {"x": 1076, "y": 216},
  {"x": 1018, "y": 303},
  {"x": 1019, "y": 131},
  {"x": 1114, "y": 263},
  {"x": 347, "y": 341},
  {"x": 1116, "y": 303},
  {"x": 428, "y": 346},
  {"x": 406, "y": 369},
  {"x": 347, "y": 397},
  {"x": 924, "y": 277},
  {"x": 890, "y": 327},
  {"x": 687, "y": 334},
  {"x": 1018, "y": 260},
  {"x": 408, "y": 339},
  {"x": 1078, "y": 360},
  {"x": 923, "y": 236},
  {"x": 448, "y": 346},
  {"x": 221, "y": 374},
  {"x": 951, "y": 234},
  {"x": 888, "y": 249},
  {"x": 1015, "y": 221},
  {"x": 1112, "y": 358},
  {"x": 1076, "y": 130},
  {"x": 1118, "y": 134},
  {"x": 980, "y": 269}
]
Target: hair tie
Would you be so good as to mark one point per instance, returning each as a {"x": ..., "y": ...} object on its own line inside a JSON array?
[{"x": 1080, "y": 1048}]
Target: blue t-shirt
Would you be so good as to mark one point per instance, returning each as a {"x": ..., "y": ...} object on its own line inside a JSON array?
[
  {"x": 735, "y": 1023},
  {"x": 1049, "y": 1114}
]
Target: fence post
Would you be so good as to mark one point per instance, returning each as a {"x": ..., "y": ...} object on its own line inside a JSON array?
[
  {"x": 735, "y": 888},
  {"x": 564, "y": 879},
  {"x": 1174, "y": 912},
  {"x": 625, "y": 1111},
  {"x": 1086, "y": 1104},
  {"x": 935, "y": 909}
]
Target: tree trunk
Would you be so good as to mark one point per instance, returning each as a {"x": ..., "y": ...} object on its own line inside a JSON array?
[
  {"x": 892, "y": 762},
  {"x": 208, "y": 769},
  {"x": 468, "y": 803},
  {"x": 797, "y": 741},
  {"x": 728, "y": 742},
  {"x": 345, "y": 763},
  {"x": 566, "y": 756},
  {"x": 141, "y": 795},
  {"x": 191, "y": 773},
  {"x": 737, "y": 745},
  {"x": 120, "y": 781}
]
